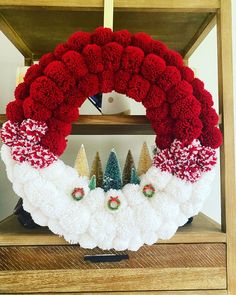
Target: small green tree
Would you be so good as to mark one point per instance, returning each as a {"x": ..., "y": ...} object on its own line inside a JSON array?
[
  {"x": 134, "y": 176},
  {"x": 112, "y": 175},
  {"x": 129, "y": 164},
  {"x": 92, "y": 183}
]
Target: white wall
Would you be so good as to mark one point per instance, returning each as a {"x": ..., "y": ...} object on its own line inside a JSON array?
[{"x": 203, "y": 61}]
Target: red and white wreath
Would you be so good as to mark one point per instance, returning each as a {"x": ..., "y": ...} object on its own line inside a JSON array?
[{"x": 180, "y": 111}]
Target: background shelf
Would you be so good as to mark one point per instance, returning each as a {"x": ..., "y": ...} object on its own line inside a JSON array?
[
  {"x": 203, "y": 229},
  {"x": 106, "y": 124}
]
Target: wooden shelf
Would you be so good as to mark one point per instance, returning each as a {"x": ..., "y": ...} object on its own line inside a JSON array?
[
  {"x": 178, "y": 23},
  {"x": 105, "y": 125},
  {"x": 202, "y": 230}
]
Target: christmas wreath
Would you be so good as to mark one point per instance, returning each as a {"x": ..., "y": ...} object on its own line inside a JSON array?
[{"x": 181, "y": 113}]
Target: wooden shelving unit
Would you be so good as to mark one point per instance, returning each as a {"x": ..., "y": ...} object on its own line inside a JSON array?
[{"x": 200, "y": 258}]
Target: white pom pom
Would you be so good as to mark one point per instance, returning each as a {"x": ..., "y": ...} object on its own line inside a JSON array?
[
  {"x": 39, "y": 217},
  {"x": 55, "y": 227},
  {"x": 71, "y": 238},
  {"x": 119, "y": 203},
  {"x": 146, "y": 218},
  {"x": 28, "y": 206},
  {"x": 135, "y": 243},
  {"x": 187, "y": 209},
  {"x": 165, "y": 206},
  {"x": 120, "y": 244},
  {"x": 179, "y": 189},
  {"x": 86, "y": 241},
  {"x": 167, "y": 230},
  {"x": 68, "y": 180},
  {"x": 125, "y": 224},
  {"x": 157, "y": 177},
  {"x": 24, "y": 173},
  {"x": 149, "y": 237},
  {"x": 54, "y": 172},
  {"x": 18, "y": 188},
  {"x": 133, "y": 195},
  {"x": 181, "y": 219},
  {"x": 95, "y": 200}
]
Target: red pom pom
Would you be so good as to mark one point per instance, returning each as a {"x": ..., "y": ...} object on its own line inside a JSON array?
[
  {"x": 22, "y": 91},
  {"x": 59, "y": 127},
  {"x": 159, "y": 48},
  {"x": 173, "y": 58},
  {"x": 143, "y": 41},
  {"x": 187, "y": 74},
  {"x": 32, "y": 73},
  {"x": 102, "y": 36},
  {"x": 198, "y": 85},
  {"x": 204, "y": 97},
  {"x": 164, "y": 141},
  {"x": 58, "y": 73},
  {"x": 121, "y": 81},
  {"x": 93, "y": 57},
  {"x": 132, "y": 59},
  {"x": 66, "y": 113},
  {"x": 123, "y": 37},
  {"x": 46, "y": 59},
  {"x": 78, "y": 40},
  {"x": 138, "y": 88},
  {"x": 35, "y": 110},
  {"x": 155, "y": 97},
  {"x": 170, "y": 77},
  {"x": 74, "y": 99},
  {"x": 88, "y": 85},
  {"x": 158, "y": 113},
  {"x": 45, "y": 91},
  {"x": 211, "y": 137},
  {"x": 55, "y": 142},
  {"x": 186, "y": 108},
  {"x": 111, "y": 54},
  {"x": 15, "y": 111},
  {"x": 152, "y": 67},
  {"x": 60, "y": 50},
  {"x": 209, "y": 117},
  {"x": 181, "y": 90},
  {"x": 75, "y": 63},
  {"x": 106, "y": 81},
  {"x": 188, "y": 130},
  {"x": 163, "y": 127}
]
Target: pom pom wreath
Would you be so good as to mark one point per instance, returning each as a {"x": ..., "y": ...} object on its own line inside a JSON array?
[
  {"x": 170, "y": 77},
  {"x": 79, "y": 40},
  {"x": 32, "y": 73},
  {"x": 66, "y": 113},
  {"x": 58, "y": 73},
  {"x": 46, "y": 59},
  {"x": 89, "y": 85},
  {"x": 186, "y": 108},
  {"x": 121, "y": 81},
  {"x": 159, "y": 48},
  {"x": 158, "y": 113},
  {"x": 138, "y": 88},
  {"x": 106, "y": 81},
  {"x": 35, "y": 110},
  {"x": 111, "y": 55},
  {"x": 22, "y": 91},
  {"x": 211, "y": 137},
  {"x": 181, "y": 90},
  {"x": 155, "y": 97},
  {"x": 93, "y": 57},
  {"x": 55, "y": 142},
  {"x": 102, "y": 36},
  {"x": 131, "y": 59},
  {"x": 187, "y": 74},
  {"x": 187, "y": 130},
  {"x": 60, "y": 50},
  {"x": 152, "y": 67},
  {"x": 58, "y": 126},
  {"x": 14, "y": 111},
  {"x": 173, "y": 58},
  {"x": 186, "y": 162},
  {"x": 46, "y": 92},
  {"x": 123, "y": 37},
  {"x": 143, "y": 41},
  {"x": 75, "y": 64}
]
